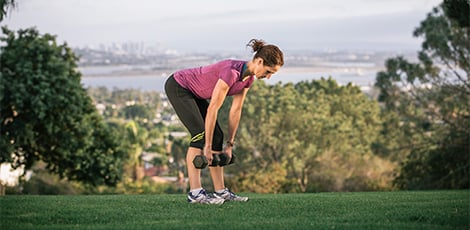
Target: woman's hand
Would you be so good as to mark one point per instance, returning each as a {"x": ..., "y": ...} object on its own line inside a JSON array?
[
  {"x": 208, "y": 153},
  {"x": 228, "y": 150}
]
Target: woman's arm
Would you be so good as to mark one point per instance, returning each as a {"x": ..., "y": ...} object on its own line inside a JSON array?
[
  {"x": 234, "y": 119},
  {"x": 217, "y": 99},
  {"x": 235, "y": 114}
]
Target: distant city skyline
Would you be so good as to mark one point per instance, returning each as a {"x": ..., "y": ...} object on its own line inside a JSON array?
[{"x": 210, "y": 25}]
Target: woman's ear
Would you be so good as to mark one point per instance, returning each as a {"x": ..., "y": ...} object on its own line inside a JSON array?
[{"x": 259, "y": 61}]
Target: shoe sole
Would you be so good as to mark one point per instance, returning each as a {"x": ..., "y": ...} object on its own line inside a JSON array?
[{"x": 218, "y": 202}]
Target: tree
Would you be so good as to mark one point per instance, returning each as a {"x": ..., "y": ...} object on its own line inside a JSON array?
[
  {"x": 138, "y": 111},
  {"x": 319, "y": 135},
  {"x": 5, "y": 6},
  {"x": 431, "y": 99},
  {"x": 136, "y": 139},
  {"x": 46, "y": 115}
]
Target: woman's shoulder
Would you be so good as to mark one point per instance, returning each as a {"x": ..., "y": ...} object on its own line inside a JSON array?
[
  {"x": 227, "y": 64},
  {"x": 235, "y": 64}
]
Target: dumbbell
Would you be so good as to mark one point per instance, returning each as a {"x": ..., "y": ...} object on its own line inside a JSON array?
[
  {"x": 224, "y": 160},
  {"x": 221, "y": 159}
]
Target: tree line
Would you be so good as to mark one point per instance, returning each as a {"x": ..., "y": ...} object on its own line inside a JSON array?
[{"x": 310, "y": 136}]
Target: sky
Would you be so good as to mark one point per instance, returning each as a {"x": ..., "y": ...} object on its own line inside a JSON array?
[{"x": 217, "y": 25}]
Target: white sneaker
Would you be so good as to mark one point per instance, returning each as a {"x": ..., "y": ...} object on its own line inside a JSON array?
[
  {"x": 203, "y": 198},
  {"x": 228, "y": 195}
]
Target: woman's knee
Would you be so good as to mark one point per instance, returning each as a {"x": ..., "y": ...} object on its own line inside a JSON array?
[{"x": 218, "y": 140}]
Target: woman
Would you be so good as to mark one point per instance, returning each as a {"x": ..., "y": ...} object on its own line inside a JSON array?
[{"x": 197, "y": 94}]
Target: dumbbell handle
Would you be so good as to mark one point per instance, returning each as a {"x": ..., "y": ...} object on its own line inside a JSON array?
[{"x": 215, "y": 160}]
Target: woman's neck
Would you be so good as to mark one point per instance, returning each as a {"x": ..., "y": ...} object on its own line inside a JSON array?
[{"x": 247, "y": 71}]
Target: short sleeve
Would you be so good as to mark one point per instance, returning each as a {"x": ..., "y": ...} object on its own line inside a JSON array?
[{"x": 229, "y": 76}]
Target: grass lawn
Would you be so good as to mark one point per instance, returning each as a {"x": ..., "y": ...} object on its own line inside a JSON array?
[{"x": 362, "y": 210}]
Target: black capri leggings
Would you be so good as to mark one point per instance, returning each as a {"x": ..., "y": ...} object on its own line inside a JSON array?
[{"x": 192, "y": 113}]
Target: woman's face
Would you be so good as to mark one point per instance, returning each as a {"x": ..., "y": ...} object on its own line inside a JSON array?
[{"x": 263, "y": 71}]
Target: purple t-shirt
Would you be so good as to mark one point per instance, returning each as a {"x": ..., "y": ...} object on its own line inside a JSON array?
[{"x": 201, "y": 81}]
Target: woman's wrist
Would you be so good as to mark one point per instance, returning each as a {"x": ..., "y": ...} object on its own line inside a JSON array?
[{"x": 230, "y": 144}]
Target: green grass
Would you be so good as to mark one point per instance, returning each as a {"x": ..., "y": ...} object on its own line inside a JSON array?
[{"x": 366, "y": 210}]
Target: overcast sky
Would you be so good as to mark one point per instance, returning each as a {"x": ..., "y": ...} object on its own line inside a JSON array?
[{"x": 210, "y": 25}]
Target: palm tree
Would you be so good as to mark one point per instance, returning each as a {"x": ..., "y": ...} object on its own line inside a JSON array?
[{"x": 137, "y": 137}]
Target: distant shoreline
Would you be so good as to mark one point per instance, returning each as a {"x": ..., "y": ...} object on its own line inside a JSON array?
[
  {"x": 126, "y": 78},
  {"x": 285, "y": 70}
]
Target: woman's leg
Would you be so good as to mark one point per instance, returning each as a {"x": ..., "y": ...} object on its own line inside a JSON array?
[
  {"x": 192, "y": 112},
  {"x": 217, "y": 174},
  {"x": 186, "y": 107},
  {"x": 194, "y": 174}
]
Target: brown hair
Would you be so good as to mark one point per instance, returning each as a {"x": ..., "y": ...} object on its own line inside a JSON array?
[{"x": 270, "y": 54}]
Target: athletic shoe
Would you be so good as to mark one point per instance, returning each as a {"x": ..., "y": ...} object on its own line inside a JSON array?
[
  {"x": 228, "y": 195},
  {"x": 203, "y": 198}
]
